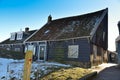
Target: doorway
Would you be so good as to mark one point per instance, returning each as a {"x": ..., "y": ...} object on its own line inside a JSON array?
[{"x": 42, "y": 52}]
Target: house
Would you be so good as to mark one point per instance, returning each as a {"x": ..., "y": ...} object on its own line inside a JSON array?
[
  {"x": 112, "y": 56},
  {"x": 79, "y": 40},
  {"x": 118, "y": 44},
  {"x": 15, "y": 42}
]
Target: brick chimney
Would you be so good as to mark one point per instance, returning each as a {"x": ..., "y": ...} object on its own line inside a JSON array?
[
  {"x": 26, "y": 29},
  {"x": 49, "y": 18},
  {"x": 119, "y": 27}
]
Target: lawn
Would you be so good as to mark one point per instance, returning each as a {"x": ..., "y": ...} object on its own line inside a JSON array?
[{"x": 67, "y": 74}]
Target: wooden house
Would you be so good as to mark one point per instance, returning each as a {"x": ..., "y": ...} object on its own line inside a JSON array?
[
  {"x": 118, "y": 44},
  {"x": 112, "y": 57},
  {"x": 79, "y": 40},
  {"x": 15, "y": 42}
]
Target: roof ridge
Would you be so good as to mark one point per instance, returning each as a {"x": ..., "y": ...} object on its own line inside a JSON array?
[
  {"x": 81, "y": 14},
  {"x": 81, "y": 23}
]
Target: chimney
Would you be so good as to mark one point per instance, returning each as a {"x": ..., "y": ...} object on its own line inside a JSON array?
[
  {"x": 119, "y": 26},
  {"x": 49, "y": 18},
  {"x": 26, "y": 29}
]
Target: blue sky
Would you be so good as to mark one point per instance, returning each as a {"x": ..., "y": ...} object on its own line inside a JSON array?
[{"x": 18, "y": 14}]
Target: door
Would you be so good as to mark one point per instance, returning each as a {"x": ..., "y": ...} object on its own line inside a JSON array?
[{"x": 42, "y": 52}]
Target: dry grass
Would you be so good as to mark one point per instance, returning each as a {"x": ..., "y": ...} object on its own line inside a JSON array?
[{"x": 67, "y": 74}]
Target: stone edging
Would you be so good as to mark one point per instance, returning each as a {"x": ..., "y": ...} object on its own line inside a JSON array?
[{"x": 89, "y": 76}]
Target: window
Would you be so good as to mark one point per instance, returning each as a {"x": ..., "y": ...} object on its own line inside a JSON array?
[
  {"x": 12, "y": 36},
  {"x": 26, "y": 48},
  {"x": 19, "y": 35},
  {"x": 32, "y": 48},
  {"x": 73, "y": 51},
  {"x": 103, "y": 36},
  {"x": 47, "y": 31},
  {"x": 8, "y": 49},
  {"x": 95, "y": 52},
  {"x": 17, "y": 49}
]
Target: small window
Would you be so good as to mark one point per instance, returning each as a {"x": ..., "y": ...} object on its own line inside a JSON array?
[
  {"x": 26, "y": 48},
  {"x": 12, "y": 36},
  {"x": 73, "y": 51},
  {"x": 19, "y": 35},
  {"x": 47, "y": 31},
  {"x": 17, "y": 49},
  {"x": 103, "y": 36},
  {"x": 8, "y": 49},
  {"x": 95, "y": 52},
  {"x": 32, "y": 48}
]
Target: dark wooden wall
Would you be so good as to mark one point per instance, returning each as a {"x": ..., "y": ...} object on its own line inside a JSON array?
[
  {"x": 58, "y": 50},
  {"x": 12, "y": 47},
  {"x": 98, "y": 36},
  {"x": 118, "y": 50}
]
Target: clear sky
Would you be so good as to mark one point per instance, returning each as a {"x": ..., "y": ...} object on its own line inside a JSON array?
[{"x": 18, "y": 14}]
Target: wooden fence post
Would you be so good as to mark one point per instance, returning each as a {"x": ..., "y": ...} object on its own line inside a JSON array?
[{"x": 27, "y": 65}]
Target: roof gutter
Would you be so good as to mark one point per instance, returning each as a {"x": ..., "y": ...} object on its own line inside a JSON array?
[{"x": 88, "y": 37}]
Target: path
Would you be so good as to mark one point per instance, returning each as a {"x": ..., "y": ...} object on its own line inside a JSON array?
[{"x": 107, "y": 72}]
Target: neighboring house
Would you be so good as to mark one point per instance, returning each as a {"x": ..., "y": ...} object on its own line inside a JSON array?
[
  {"x": 80, "y": 40},
  {"x": 112, "y": 57},
  {"x": 118, "y": 43},
  {"x": 15, "y": 42}
]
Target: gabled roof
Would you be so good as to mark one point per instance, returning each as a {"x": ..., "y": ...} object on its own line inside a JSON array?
[
  {"x": 25, "y": 36},
  {"x": 69, "y": 27}
]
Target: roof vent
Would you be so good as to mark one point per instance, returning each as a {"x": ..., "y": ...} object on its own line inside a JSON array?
[{"x": 49, "y": 18}]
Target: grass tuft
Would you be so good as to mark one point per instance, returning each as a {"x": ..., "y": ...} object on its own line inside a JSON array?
[{"x": 67, "y": 74}]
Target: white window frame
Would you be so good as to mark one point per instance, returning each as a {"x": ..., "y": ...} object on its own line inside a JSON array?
[
  {"x": 26, "y": 48},
  {"x": 8, "y": 49},
  {"x": 44, "y": 52},
  {"x": 73, "y": 51},
  {"x": 12, "y": 36},
  {"x": 17, "y": 49},
  {"x": 95, "y": 52},
  {"x": 32, "y": 48},
  {"x": 19, "y": 35}
]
